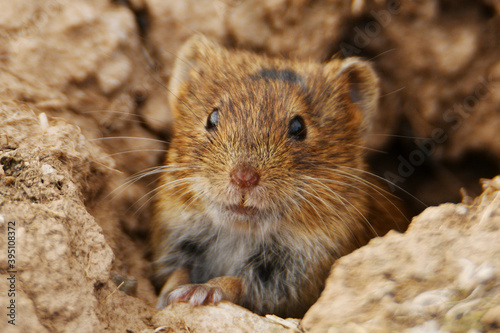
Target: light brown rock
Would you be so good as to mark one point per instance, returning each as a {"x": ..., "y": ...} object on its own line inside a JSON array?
[
  {"x": 225, "y": 317},
  {"x": 62, "y": 260},
  {"x": 443, "y": 273}
]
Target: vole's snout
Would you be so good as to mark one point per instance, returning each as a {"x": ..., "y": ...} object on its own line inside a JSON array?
[{"x": 245, "y": 176}]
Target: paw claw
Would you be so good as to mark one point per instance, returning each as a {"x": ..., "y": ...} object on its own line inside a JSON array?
[{"x": 195, "y": 294}]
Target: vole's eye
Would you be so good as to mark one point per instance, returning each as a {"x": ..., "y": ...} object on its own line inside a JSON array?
[
  {"x": 297, "y": 128},
  {"x": 213, "y": 120}
]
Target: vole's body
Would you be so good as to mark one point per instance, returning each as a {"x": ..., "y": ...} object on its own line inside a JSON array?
[{"x": 265, "y": 184}]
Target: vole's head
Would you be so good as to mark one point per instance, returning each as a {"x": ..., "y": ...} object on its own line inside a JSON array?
[{"x": 259, "y": 140}]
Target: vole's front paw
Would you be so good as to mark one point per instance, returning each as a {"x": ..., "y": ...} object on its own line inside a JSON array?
[{"x": 194, "y": 294}]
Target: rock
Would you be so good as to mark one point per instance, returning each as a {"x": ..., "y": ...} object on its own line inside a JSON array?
[
  {"x": 229, "y": 318},
  {"x": 442, "y": 274},
  {"x": 61, "y": 260}
]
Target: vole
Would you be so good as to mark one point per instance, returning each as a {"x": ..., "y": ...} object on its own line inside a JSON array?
[{"x": 264, "y": 184}]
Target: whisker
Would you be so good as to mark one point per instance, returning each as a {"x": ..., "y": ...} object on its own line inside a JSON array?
[
  {"x": 320, "y": 216},
  {"x": 164, "y": 86},
  {"x": 101, "y": 164},
  {"x": 366, "y": 148},
  {"x": 128, "y": 137},
  {"x": 136, "y": 177},
  {"x": 195, "y": 197},
  {"x": 393, "y": 92},
  {"x": 141, "y": 118},
  {"x": 387, "y": 181},
  {"x": 343, "y": 202},
  {"x": 399, "y": 136},
  {"x": 158, "y": 190},
  {"x": 96, "y": 160},
  {"x": 352, "y": 176},
  {"x": 135, "y": 151},
  {"x": 382, "y": 53},
  {"x": 377, "y": 189}
]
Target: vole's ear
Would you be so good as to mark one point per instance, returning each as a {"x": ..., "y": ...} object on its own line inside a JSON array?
[
  {"x": 191, "y": 58},
  {"x": 362, "y": 83}
]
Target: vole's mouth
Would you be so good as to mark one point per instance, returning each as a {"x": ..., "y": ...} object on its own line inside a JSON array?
[{"x": 243, "y": 210}]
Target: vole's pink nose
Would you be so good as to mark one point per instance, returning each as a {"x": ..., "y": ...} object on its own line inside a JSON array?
[{"x": 245, "y": 176}]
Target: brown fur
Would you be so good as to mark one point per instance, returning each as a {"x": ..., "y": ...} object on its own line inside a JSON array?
[{"x": 314, "y": 201}]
